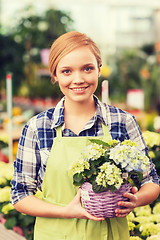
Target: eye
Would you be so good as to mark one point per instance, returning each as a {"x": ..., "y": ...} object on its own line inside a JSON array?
[
  {"x": 88, "y": 69},
  {"x": 66, "y": 71}
]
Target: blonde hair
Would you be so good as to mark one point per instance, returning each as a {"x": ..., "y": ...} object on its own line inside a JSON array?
[{"x": 67, "y": 43}]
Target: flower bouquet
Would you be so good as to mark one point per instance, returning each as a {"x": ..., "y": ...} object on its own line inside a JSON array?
[{"x": 104, "y": 171}]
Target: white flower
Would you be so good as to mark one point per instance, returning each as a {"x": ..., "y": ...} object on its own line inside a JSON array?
[
  {"x": 129, "y": 157},
  {"x": 93, "y": 152},
  {"x": 5, "y": 194},
  {"x": 151, "y": 138},
  {"x": 103, "y": 163},
  {"x": 109, "y": 175},
  {"x": 79, "y": 166}
]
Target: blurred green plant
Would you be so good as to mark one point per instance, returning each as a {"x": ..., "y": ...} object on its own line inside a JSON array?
[
  {"x": 152, "y": 140},
  {"x": 44, "y": 88},
  {"x": 18, "y": 222},
  {"x": 38, "y": 32},
  {"x": 144, "y": 222},
  {"x": 11, "y": 54},
  {"x": 136, "y": 68},
  {"x": 21, "y": 46},
  {"x": 125, "y": 71},
  {"x": 11, "y": 218}
]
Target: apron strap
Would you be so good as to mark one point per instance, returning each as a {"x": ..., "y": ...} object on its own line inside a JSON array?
[
  {"x": 105, "y": 130},
  {"x": 59, "y": 132}
]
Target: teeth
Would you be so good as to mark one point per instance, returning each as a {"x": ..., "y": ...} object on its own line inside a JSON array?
[{"x": 78, "y": 89}]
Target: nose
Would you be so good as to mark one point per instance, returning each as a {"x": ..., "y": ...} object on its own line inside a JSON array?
[{"x": 78, "y": 78}]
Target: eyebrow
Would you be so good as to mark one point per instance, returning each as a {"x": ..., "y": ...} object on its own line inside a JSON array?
[
  {"x": 85, "y": 65},
  {"x": 65, "y": 67},
  {"x": 88, "y": 64}
]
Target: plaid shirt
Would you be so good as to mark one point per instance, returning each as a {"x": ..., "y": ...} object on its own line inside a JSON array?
[{"x": 38, "y": 135}]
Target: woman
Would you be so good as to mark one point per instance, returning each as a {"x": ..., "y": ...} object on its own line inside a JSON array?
[{"x": 53, "y": 139}]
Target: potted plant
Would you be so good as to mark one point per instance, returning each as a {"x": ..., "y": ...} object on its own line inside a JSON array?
[{"x": 104, "y": 171}]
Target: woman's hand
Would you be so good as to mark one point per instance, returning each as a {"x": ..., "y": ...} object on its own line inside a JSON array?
[
  {"x": 129, "y": 205},
  {"x": 146, "y": 195},
  {"x": 75, "y": 210}
]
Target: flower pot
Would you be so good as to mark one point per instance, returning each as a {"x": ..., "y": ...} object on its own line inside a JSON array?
[{"x": 103, "y": 204}]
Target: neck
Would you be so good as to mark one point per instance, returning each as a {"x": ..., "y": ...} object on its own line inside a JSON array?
[
  {"x": 77, "y": 114},
  {"x": 79, "y": 108}
]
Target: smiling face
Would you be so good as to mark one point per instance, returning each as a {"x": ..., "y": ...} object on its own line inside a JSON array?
[{"x": 77, "y": 74}]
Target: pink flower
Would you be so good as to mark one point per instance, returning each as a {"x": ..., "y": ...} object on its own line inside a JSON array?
[
  {"x": 3, "y": 220},
  {"x": 18, "y": 230}
]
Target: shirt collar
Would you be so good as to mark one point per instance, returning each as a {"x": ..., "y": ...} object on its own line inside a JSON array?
[
  {"x": 101, "y": 112},
  {"x": 58, "y": 115}
]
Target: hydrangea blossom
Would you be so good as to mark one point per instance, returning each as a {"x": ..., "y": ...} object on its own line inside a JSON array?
[
  {"x": 108, "y": 164},
  {"x": 6, "y": 170},
  {"x": 154, "y": 237},
  {"x": 109, "y": 175},
  {"x": 129, "y": 157},
  {"x": 131, "y": 227},
  {"x": 7, "y": 208},
  {"x": 151, "y": 138},
  {"x": 79, "y": 166},
  {"x": 143, "y": 211},
  {"x": 135, "y": 238},
  {"x": 145, "y": 222},
  {"x": 93, "y": 152},
  {"x": 148, "y": 229},
  {"x": 3, "y": 180},
  {"x": 5, "y": 194}
]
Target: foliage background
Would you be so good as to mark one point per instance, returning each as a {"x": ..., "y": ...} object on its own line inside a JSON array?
[{"x": 20, "y": 54}]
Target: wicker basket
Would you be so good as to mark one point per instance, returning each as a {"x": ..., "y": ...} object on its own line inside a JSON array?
[{"x": 103, "y": 204}]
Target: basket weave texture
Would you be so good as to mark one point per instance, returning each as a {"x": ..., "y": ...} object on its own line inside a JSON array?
[{"x": 103, "y": 204}]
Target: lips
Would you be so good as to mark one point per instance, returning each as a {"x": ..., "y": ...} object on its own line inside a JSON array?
[{"x": 79, "y": 89}]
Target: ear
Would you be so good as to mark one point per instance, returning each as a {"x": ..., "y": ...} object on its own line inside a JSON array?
[
  {"x": 55, "y": 78},
  {"x": 99, "y": 72}
]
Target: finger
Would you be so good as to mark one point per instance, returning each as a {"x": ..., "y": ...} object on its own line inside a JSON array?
[
  {"x": 78, "y": 194},
  {"x": 134, "y": 189},
  {"x": 131, "y": 196},
  {"x": 87, "y": 214},
  {"x": 94, "y": 218},
  {"x": 132, "y": 200},
  {"x": 122, "y": 213},
  {"x": 128, "y": 205}
]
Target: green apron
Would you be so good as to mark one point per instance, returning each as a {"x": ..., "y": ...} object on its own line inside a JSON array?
[{"x": 57, "y": 188}]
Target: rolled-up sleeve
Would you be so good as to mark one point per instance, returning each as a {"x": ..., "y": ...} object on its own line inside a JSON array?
[
  {"x": 134, "y": 133},
  {"x": 26, "y": 165}
]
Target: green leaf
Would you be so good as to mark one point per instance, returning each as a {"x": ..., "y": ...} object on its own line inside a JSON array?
[
  {"x": 131, "y": 182},
  {"x": 99, "y": 142},
  {"x": 3, "y": 144},
  {"x": 140, "y": 176},
  {"x": 27, "y": 220},
  {"x": 98, "y": 162},
  {"x": 106, "y": 158},
  {"x": 112, "y": 188},
  {"x": 78, "y": 179},
  {"x": 88, "y": 173},
  {"x": 13, "y": 213},
  {"x": 98, "y": 188},
  {"x": 93, "y": 167},
  {"x": 93, "y": 178},
  {"x": 11, "y": 222}
]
